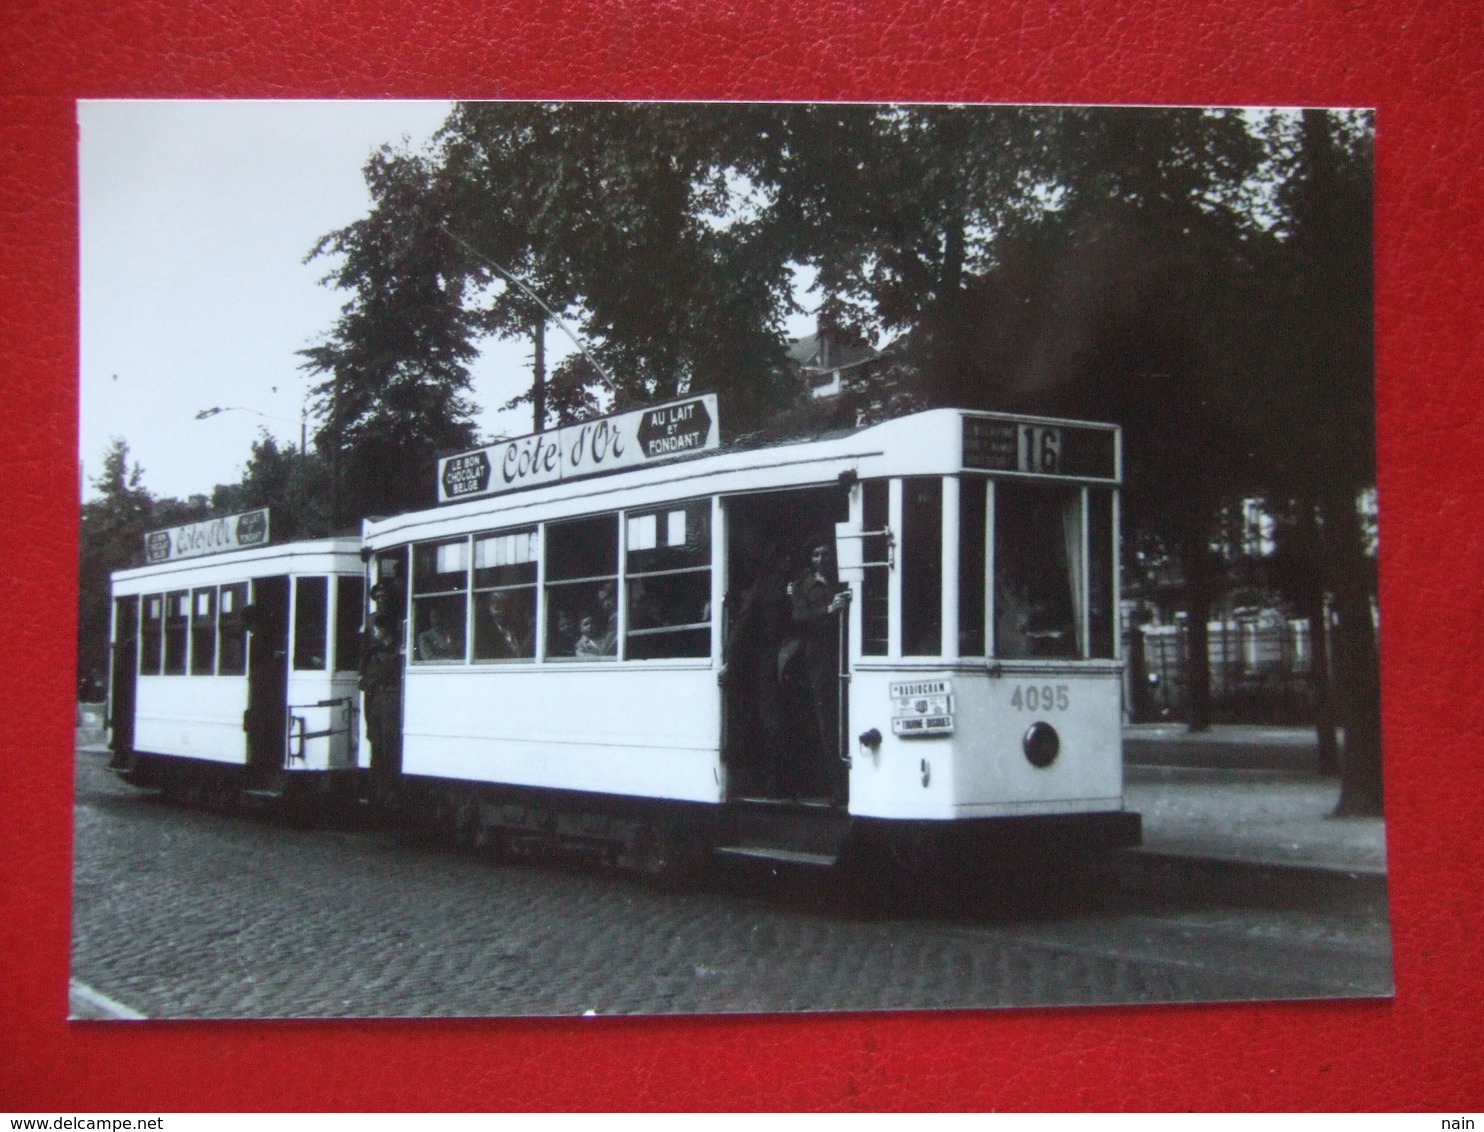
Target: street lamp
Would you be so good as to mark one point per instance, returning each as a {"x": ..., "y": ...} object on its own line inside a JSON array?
[{"x": 216, "y": 410}]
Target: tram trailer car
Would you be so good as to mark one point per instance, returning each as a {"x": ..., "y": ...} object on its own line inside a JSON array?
[
  {"x": 234, "y": 670},
  {"x": 620, "y": 660}
]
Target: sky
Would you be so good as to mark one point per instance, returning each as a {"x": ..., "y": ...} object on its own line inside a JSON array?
[{"x": 196, "y": 218}]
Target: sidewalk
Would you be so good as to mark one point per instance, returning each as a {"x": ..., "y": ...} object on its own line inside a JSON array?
[{"x": 1249, "y": 795}]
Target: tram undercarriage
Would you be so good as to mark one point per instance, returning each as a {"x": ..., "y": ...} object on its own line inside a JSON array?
[
  {"x": 217, "y": 785},
  {"x": 671, "y": 839}
]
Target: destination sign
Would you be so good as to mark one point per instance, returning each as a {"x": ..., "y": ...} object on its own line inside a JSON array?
[
  {"x": 625, "y": 440},
  {"x": 210, "y": 536},
  {"x": 1036, "y": 448}
]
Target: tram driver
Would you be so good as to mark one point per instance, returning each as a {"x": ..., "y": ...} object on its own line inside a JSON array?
[{"x": 816, "y": 603}]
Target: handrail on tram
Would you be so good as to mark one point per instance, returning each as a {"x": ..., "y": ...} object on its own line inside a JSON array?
[
  {"x": 891, "y": 546},
  {"x": 297, "y": 724}
]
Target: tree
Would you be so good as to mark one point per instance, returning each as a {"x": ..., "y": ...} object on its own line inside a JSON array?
[
  {"x": 899, "y": 208},
  {"x": 294, "y": 486},
  {"x": 651, "y": 226},
  {"x": 395, "y": 365},
  {"x": 1316, "y": 398},
  {"x": 111, "y": 538}
]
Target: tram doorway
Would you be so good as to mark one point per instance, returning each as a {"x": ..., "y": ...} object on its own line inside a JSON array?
[
  {"x": 123, "y": 679},
  {"x": 785, "y": 702},
  {"x": 266, "y": 719}
]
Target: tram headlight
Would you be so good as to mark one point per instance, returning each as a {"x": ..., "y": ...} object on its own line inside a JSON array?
[{"x": 1041, "y": 744}]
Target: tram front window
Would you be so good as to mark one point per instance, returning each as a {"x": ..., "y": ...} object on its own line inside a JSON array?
[
  {"x": 350, "y": 599},
  {"x": 1038, "y": 572},
  {"x": 922, "y": 566},
  {"x": 311, "y": 622}
]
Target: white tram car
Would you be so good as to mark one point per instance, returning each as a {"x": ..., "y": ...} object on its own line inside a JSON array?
[
  {"x": 235, "y": 663},
  {"x": 615, "y": 659}
]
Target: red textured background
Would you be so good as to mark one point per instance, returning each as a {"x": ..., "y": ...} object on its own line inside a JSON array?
[{"x": 1420, "y": 65}]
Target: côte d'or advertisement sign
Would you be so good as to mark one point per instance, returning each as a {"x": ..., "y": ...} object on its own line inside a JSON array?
[
  {"x": 625, "y": 440},
  {"x": 210, "y": 536}
]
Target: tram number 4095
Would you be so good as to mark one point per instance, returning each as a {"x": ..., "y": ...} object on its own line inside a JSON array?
[{"x": 1041, "y": 697}]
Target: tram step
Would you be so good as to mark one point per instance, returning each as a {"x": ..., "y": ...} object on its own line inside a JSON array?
[
  {"x": 791, "y": 832},
  {"x": 773, "y": 853}
]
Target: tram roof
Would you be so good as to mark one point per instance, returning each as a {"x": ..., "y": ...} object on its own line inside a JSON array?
[
  {"x": 310, "y": 556},
  {"x": 926, "y": 443}
]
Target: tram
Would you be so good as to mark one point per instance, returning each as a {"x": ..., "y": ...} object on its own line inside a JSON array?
[
  {"x": 235, "y": 663},
  {"x": 625, "y": 636}
]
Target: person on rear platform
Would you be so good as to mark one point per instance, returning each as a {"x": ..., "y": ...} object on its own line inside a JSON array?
[{"x": 817, "y": 603}]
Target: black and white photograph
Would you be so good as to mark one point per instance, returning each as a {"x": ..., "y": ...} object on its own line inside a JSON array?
[{"x": 651, "y": 558}]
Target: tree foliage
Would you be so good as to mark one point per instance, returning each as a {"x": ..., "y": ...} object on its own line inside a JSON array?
[
  {"x": 650, "y": 225},
  {"x": 394, "y": 368}
]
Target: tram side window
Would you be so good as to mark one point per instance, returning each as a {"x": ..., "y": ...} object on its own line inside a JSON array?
[
  {"x": 1037, "y": 571},
  {"x": 922, "y": 566},
  {"x": 203, "y": 631},
  {"x": 311, "y": 623},
  {"x": 152, "y": 635},
  {"x": 876, "y": 552},
  {"x": 971, "y": 531},
  {"x": 177, "y": 631},
  {"x": 231, "y": 631},
  {"x": 440, "y": 601},
  {"x": 668, "y": 582},
  {"x": 582, "y": 589},
  {"x": 505, "y": 595},
  {"x": 350, "y": 600}
]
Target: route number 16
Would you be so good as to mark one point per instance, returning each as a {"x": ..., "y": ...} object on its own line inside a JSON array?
[
  {"x": 1041, "y": 697},
  {"x": 1040, "y": 449}
]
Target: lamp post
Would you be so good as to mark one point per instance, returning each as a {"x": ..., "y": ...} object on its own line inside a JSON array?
[{"x": 217, "y": 410}]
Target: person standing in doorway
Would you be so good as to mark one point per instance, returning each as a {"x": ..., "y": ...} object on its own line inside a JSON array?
[{"x": 817, "y": 604}]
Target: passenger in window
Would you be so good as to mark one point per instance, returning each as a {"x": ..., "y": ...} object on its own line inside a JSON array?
[
  {"x": 562, "y": 633},
  {"x": 644, "y": 611},
  {"x": 1012, "y": 616},
  {"x": 607, "y": 644},
  {"x": 437, "y": 642},
  {"x": 816, "y": 603},
  {"x": 587, "y": 642},
  {"x": 505, "y": 634}
]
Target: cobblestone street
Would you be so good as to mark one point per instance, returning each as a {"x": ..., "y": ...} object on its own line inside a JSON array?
[{"x": 182, "y": 913}]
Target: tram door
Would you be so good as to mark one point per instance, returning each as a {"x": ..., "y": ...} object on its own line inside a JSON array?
[
  {"x": 266, "y": 719},
  {"x": 123, "y": 675},
  {"x": 784, "y": 698}
]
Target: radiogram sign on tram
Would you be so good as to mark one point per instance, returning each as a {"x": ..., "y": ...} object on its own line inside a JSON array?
[
  {"x": 210, "y": 536},
  {"x": 626, "y": 440}
]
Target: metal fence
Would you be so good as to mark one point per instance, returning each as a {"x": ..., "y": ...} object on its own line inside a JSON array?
[{"x": 1260, "y": 671}]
